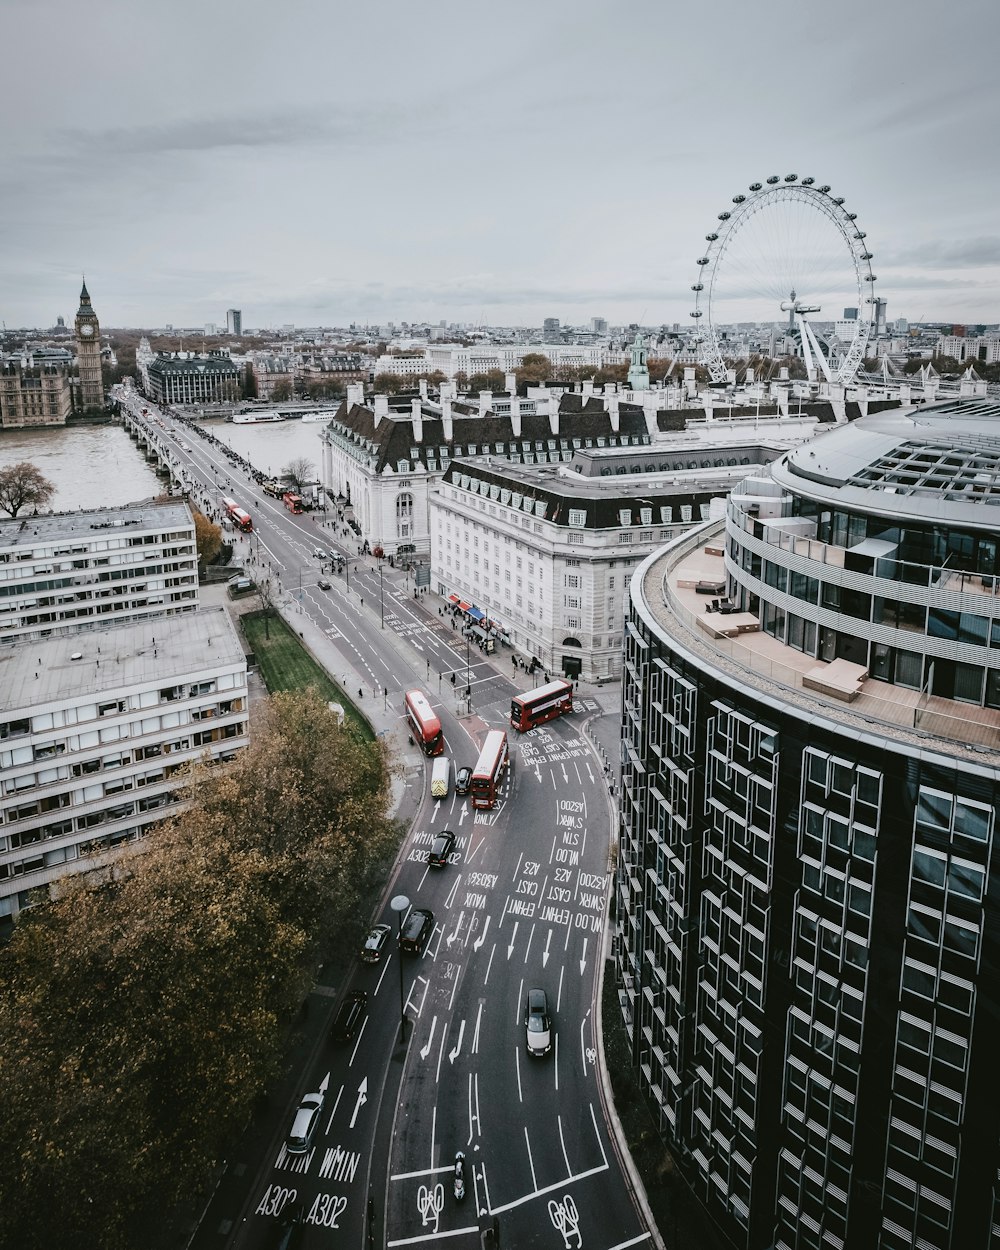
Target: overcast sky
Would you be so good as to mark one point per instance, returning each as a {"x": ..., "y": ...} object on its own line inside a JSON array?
[{"x": 321, "y": 163}]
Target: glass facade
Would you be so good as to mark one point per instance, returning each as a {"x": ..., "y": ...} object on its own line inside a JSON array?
[{"x": 806, "y": 911}]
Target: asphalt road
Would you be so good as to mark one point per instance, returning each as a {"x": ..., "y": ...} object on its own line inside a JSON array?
[{"x": 523, "y": 904}]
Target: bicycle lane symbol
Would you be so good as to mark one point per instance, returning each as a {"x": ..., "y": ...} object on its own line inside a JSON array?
[
  {"x": 566, "y": 1220},
  {"x": 430, "y": 1203}
]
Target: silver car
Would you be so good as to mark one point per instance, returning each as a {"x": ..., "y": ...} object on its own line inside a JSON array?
[{"x": 304, "y": 1125}]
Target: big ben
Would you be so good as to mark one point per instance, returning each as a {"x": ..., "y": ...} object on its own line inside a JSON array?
[{"x": 88, "y": 355}]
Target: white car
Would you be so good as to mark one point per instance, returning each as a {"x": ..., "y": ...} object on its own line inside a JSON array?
[{"x": 304, "y": 1125}]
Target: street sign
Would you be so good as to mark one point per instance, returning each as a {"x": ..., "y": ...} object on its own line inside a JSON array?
[{"x": 422, "y": 575}]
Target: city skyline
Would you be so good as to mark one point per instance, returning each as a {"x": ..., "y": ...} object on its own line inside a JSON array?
[{"x": 560, "y": 162}]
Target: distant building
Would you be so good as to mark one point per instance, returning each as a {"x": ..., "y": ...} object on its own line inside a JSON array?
[
  {"x": 550, "y": 330},
  {"x": 193, "y": 379},
  {"x": 599, "y": 325},
  {"x": 270, "y": 371},
  {"x": 234, "y": 321},
  {"x": 88, "y": 354},
  {"x": 505, "y": 357},
  {"x": 29, "y": 397}
]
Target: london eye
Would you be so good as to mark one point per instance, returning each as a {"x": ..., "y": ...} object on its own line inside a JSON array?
[{"x": 785, "y": 252}]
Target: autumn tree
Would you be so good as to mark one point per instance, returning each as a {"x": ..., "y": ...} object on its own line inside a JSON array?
[
  {"x": 22, "y": 485},
  {"x": 533, "y": 369},
  {"x": 140, "y": 1018},
  {"x": 281, "y": 391},
  {"x": 249, "y": 382},
  {"x": 208, "y": 538},
  {"x": 490, "y": 380},
  {"x": 389, "y": 383}
]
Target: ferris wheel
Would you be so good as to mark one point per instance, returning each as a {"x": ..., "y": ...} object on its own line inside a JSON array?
[{"x": 788, "y": 247}]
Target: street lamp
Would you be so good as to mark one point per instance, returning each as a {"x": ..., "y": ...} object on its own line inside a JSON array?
[
  {"x": 400, "y": 905},
  {"x": 381, "y": 600}
]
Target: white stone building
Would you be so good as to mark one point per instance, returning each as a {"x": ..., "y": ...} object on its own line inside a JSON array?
[
  {"x": 542, "y": 555},
  {"x": 385, "y": 458}
]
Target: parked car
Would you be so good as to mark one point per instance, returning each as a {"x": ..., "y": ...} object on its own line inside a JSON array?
[
  {"x": 441, "y": 848},
  {"x": 323, "y": 584},
  {"x": 417, "y": 928},
  {"x": 319, "y": 553},
  {"x": 463, "y": 779},
  {"x": 304, "y": 1125},
  {"x": 537, "y": 1023},
  {"x": 350, "y": 1017},
  {"x": 371, "y": 952}
]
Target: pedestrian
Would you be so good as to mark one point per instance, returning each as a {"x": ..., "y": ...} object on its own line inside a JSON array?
[{"x": 361, "y": 693}]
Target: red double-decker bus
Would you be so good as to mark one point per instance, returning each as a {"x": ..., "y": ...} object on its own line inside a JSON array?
[
  {"x": 488, "y": 774},
  {"x": 239, "y": 516},
  {"x": 292, "y": 501},
  {"x": 424, "y": 725},
  {"x": 534, "y": 707}
]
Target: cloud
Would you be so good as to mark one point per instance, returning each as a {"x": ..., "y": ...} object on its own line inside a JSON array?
[
  {"x": 208, "y": 134},
  {"x": 941, "y": 254}
]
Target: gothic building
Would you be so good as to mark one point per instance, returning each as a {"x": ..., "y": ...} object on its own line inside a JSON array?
[{"x": 90, "y": 397}]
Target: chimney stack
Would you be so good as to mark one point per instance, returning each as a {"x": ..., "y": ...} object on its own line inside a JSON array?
[
  {"x": 485, "y": 403},
  {"x": 355, "y": 395},
  {"x": 554, "y": 413},
  {"x": 423, "y": 388},
  {"x": 446, "y": 421},
  {"x": 417, "y": 420},
  {"x": 510, "y": 382},
  {"x": 381, "y": 407},
  {"x": 612, "y": 404},
  {"x": 515, "y": 416}
]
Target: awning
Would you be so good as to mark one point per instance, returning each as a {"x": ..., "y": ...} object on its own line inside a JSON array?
[
  {"x": 463, "y": 605},
  {"x": 475, "y": 613},
  {"x": 453, "y": 598}
]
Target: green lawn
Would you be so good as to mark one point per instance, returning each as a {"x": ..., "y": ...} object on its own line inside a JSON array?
[{"x": 285, "y": 664}]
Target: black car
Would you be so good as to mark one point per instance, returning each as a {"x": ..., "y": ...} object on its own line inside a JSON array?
[
  {"x": 350, "y": 1017},
  {"x": 289, "y": 1230},
  {"x": 323, "y": 584},
  {"x": 463, "y": 779},
  {"x": 441, "y": 848},
  {"x": 417, "y": 928}
]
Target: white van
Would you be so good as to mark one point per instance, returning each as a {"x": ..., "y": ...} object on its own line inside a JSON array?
[{"x": 441, "y": 777}]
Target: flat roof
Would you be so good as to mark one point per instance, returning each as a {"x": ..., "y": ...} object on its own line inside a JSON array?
[
  {"x": 36, "y": 674},
  {"x": 53, "y": 527},
  {"x": 666, "y": 587}
]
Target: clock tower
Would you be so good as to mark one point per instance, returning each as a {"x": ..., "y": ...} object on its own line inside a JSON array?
[{"x": 88, "y": 355}]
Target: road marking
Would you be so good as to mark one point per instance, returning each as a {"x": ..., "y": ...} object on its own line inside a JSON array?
[
  {"x": 513, "y": 939},
  {"x": 531, "y": 1162},
  {"x": 517, "y": 1066},
  {"x": 444, "y": 1035},
  {"x": 493, "y": 951},
  {"x": 415, "y": 1241},
  {"x": 361, "y": 1100},
  {"x": 334, "y": 1111},
  {"x": 474, "y": 1109},
  {"x": 519, "y": 1202},
  {"x": 527, "y": 949},
  {"x": 475, "y": 1035},
  {"x": 583, "y": 958},
  {"x": 566, "y": 1221},
  {"x": 482, "y": 937},
  {"x": 426, "y": 1049},
  {"x": 562, "y": 1142},
  {"x": 545, "y": 953},
  {"x": 457, "y": 1048}
]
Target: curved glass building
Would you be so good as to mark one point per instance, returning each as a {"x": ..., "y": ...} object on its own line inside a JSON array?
[{"x": 807, "y": 901}]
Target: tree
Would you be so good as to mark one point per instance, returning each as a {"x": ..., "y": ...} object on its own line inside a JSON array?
[
  {"x": 23, "y": 486},
  {"x": 141, "y": 1018},
  {"x": 267, "y": 593},
  {"x": 533, "y": 369},
  {"x": 249, "y": 382},
  {"x": 389, "y": 383},
  {"x": 300, "y": 470},
  {"x": 281, "y": 391},
  {"x": 208, "y": 538},
  {"x": 491, "y": 380}
]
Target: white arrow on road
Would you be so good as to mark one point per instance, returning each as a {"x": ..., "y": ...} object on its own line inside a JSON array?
[
  {"x": 426, "y": 1050},
  {"x": 538, "y": 774},
  {"x": 513, "y": 939},
  {"x": 325, "y": 1084},
  {"x": 545, "y": 953},
  {"x": 362, "y": 1099},
  {"x": 565, "y": 774},
  {"x": 583, "y": 960},
  {"x": 453, "y": 1053},
  {"x": 458, "y": 928},
  {"x": 482, "y": 937}
]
